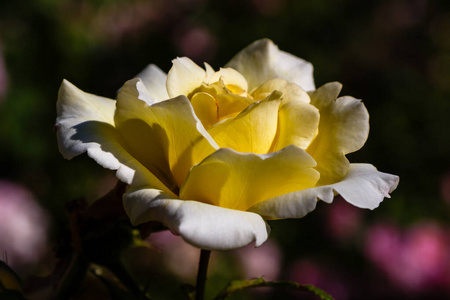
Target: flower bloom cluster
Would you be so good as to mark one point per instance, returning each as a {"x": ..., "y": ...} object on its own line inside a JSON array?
[{"x": 214, "y": 154}]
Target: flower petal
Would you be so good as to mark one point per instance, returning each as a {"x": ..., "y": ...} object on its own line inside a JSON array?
[
  {"x": 154, "y": 80},
  {"x": 85, "y": 124},
  {"x": 253, "y": 130},
  {"x": 230, "y": 105},
  {"x": 262, "y": 60},
  {"x": 202, "y": 225},
  {"x": 343, "y": 128},
  {"x": 206, "y": 108},
  {"x": 230, "y": 77},
  {"x": 75, "y": 107},
  {"x": 240, "y": 180},
  {"x": 297, "y": 119},
  {"x": 297, "y": 125},
  {"x": 363, "y": 186},
  {"x": 166, "y": 137},
  {"x": 184, "y": 77},
  {"x": 291, "y": 91}
]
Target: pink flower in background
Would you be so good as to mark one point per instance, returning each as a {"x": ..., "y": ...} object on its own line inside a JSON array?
[
  {"x": 264, "y": 261},
  {"x": 415, "y": 260},
  {"x": 343, "y": 219},
  {"x": 23, "y": 225}
]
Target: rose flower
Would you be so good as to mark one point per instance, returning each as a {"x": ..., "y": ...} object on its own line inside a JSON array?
[{"x": 214, "y": 154}]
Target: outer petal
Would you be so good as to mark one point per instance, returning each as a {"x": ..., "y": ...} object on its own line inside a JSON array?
[
  {"x": 154, "y": 80},
  {"x": 75, "y": 107},
  {"x": 363, "y": 186},
  {"x": 184, "y": 77},
  {"x": 262, "y": 60},
  {"x": 166, "y": 137},
  {"x": 253, "y": 130},
  {"x": 343, "y": 128},
  {"x": 85, "y": 124},
  {"x": 239, "y": 180},
  {"x": 202, "y": 225}
]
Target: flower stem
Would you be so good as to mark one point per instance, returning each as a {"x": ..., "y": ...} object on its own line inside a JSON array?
[{"x": 201, "y": 275}]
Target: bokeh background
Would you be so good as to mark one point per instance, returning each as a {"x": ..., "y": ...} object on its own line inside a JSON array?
[{"x": 395, "y": 55}]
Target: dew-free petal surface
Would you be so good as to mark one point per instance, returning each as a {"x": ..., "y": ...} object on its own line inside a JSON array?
[
  {"x": 363, "y": 186},
  {"x": 236, "y": 180},
  {"x": 201, "y": 225},
  {"x": 263, "y": 60}
]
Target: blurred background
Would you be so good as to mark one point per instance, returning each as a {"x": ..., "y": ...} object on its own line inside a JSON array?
[{"x": 395, "y": 55}]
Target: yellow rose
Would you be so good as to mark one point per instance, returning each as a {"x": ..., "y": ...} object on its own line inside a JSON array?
[{"x": 212, "y": 155}]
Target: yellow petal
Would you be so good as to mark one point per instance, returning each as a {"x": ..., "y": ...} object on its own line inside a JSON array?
[
  {"x": 262, "y": 60},
  {"x": 343, "y": 128},
  {"x": 154, "y": 80},
  {"x": 85, "y": 123},
  {"x": 184, "y": 77},
  {"x": 291, "y": 91},
  {"x": 209, "y": 72},
  {"x": 238, "y": 181},
  {"x": 166, "y": 137},
  {"x": 205, "y": 108},
  {"x": 231, "y": 105},
  {"x": 230, "y": 77},
  {"x": 297, "y": 125},
  {"x": 253, "y": 130}
]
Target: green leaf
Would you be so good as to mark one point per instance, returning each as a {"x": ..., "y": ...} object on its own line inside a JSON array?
[{"x": 239, "y": 285}]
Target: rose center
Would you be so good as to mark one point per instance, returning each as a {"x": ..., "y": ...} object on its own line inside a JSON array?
[{"x": 217, "y": 101}]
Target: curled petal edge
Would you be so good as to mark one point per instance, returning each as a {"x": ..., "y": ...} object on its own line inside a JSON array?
[
  {"x": 363, "y": 186},
  {"x": 199, "y": 224}
]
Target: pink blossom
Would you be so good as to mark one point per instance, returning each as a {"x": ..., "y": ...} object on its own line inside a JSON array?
[
  {"x": 415, "y": 260},
  {"x": 23, "y": 225}
]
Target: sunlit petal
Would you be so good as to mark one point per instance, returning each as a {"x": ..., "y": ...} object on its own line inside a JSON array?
[
  {"x": 262, "y": 60},
  {"x": 166, "y": 137},
  {"x": 253, "y": 130},
  {"x": 154, "y": 80},
  {"x": 290, "y": 91},
  {"x": 240, "y": 180},
  {"x": 343, "y": 128},
  {"x": 363, "y": 186},
  {"x": 202, "y": 225},
  {"x": 230, "y": 77},
  {"x": 297, "y": 125},
  {"x": 206, "y": 108},
  {"x": 184, "y": 77},
  {"x": 85, "y": 124}
]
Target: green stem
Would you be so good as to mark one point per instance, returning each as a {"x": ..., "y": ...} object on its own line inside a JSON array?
[
  {"x": 201, "y": 275},
  {"x": 73, "y": 278}
]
